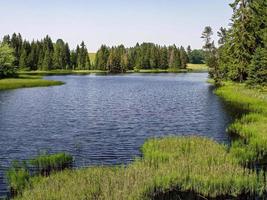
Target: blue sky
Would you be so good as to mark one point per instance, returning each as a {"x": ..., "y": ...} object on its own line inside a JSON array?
[{"x": 114, "y": 22}]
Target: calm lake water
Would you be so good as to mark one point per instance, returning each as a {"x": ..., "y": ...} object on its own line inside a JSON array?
[{"x": 105, "y": 119}]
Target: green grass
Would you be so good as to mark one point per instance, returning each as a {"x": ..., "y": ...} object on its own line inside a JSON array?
[
  {"x": 252, "y": 126},
  {"x": 60, "y": 72},
  {"x": 181, "y": 163},
  {"x": 25, "y": 82},
  {"x": 18, "y": 177},
  {"x": 46, "y": 164},
  {"x": 92, "y": 58},
  {"x": 157, "y": 71},
  {"x": 197, "y": 67}
]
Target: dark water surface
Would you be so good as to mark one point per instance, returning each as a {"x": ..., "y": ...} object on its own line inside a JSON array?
[{"x": 105, "y": 119}]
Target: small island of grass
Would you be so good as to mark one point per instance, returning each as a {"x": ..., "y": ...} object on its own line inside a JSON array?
[{"x": 23, "y": 82}]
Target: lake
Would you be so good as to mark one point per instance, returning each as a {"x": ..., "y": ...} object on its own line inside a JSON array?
[{"x": 105, "y": 119}]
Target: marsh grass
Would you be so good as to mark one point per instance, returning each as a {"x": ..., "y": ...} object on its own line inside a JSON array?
[
  {"x": 252, "y": 126},
  {"x": 45, "y": 164},
  {"x": 18, "y": 177},
  {"x": 184, "y": 164},
  {"x": 25, "y": 82}
]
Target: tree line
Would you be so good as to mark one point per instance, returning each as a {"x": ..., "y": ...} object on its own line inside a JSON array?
[
  {"x": 141, "y": 56},
  {"x": 242, "y": 52},
  {"x": 46, "y": 55}
]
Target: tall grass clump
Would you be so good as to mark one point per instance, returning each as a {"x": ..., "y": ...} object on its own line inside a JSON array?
[
  {"x": 45, "y": 164},
  {"x": 18, "y": 177},
  {"x": 20, "y": 173}
]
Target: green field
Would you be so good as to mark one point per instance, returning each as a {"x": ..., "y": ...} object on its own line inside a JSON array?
[
  {"x": 92, "y": 58},
  {"x": 25, "y": 82},
  {"x": 197, "y": 67},
  {"x": 193, "y": 165}
]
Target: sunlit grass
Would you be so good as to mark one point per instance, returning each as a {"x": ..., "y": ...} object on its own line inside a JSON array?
[
  {"x": 251, "y": 127},
  {"x": 185, "y": 163},
  {"x": 197, "y": 67},
  {"x": 60, "y": 72},
  {"x": 23, "y": 82}
]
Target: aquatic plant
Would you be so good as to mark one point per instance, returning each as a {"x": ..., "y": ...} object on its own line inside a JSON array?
[
  {"x": 18, "y": 177},
  {"x": 45, "y": 164}
]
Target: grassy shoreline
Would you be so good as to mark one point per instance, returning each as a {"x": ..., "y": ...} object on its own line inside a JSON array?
[
  {"x": 251, "y": 147},
  {"x": 190, "y": 68},
  {"x": 178, "y": 164},
  {"x": 26, "y": 82}
]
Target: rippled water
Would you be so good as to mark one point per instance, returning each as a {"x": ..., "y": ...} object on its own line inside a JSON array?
[{"x": 105, "y": 119}]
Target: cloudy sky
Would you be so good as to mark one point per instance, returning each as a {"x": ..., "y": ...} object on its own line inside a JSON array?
[{"x": 114, "y": 22}]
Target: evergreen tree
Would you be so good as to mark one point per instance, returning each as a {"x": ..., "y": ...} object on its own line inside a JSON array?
[
  {"x": 183, "y": 57},
  {"x": 211, "y": 54},
  {"x": 101, "y": 58},
  {"x": 7, "y": 59}
]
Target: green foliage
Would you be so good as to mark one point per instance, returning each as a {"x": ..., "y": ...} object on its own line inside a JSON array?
[
  {"x": 18, "y": 177},
  {"x": 211, "y": 54},
  {"x": 242, "y": 53},
  {"x": 258, "y": 67},
  {"x": 197, "y": 56},
  {"x": 45, "y": 164},
  {"x": 7, "y": 59},
  {"x": 46, "y": 55},
  {"x": 146, "y": 56}
]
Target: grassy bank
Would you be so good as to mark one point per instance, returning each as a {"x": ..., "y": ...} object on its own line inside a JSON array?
[
  {"x": 170, "y": 163},
  {"x": 14, "y": 83},
  {"x": 62, "y": 72},
  {"x": 251, "y": 128}
]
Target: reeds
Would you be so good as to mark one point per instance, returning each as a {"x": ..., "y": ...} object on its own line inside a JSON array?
[
  {"x": 18, "y": 176},
  {"x": 185, "y": 164},
  {"x": 252, "y": 126},
  {"x": 45, "y": 164}
]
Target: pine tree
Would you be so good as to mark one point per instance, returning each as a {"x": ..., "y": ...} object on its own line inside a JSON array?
[
  {"x": 183, "y": 57},
  {"x": 7, "y": 59}
]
